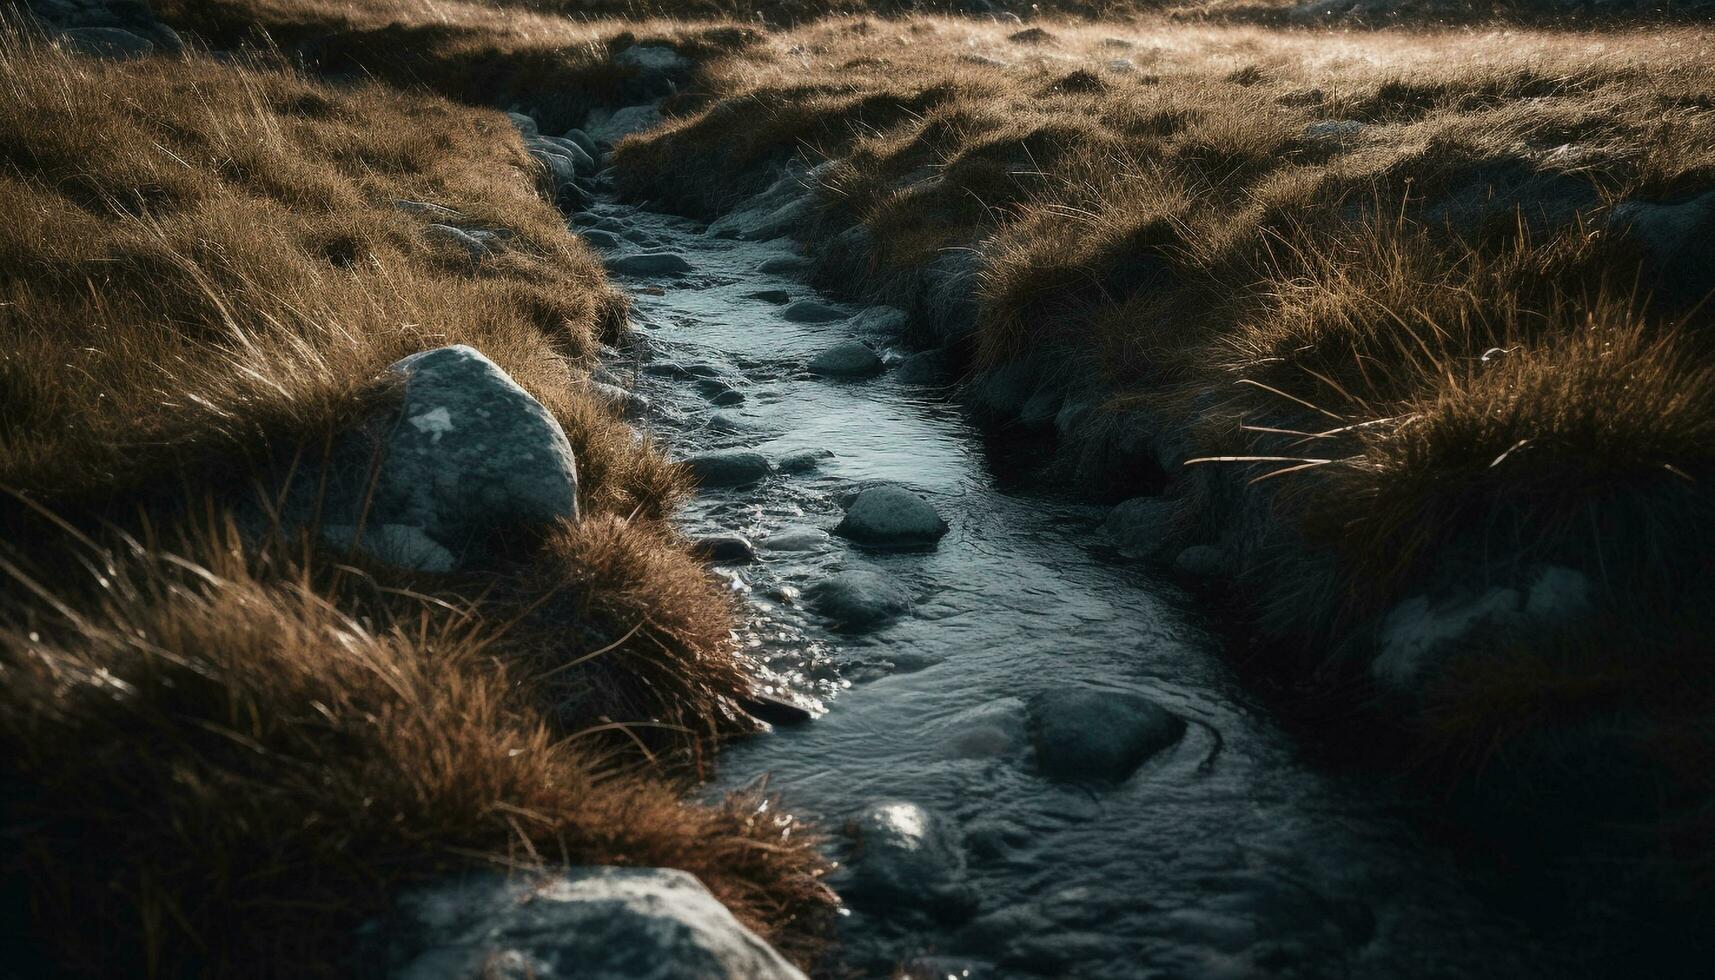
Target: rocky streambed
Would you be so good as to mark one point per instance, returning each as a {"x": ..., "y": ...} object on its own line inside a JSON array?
[{"x": 1034, "y": 755}]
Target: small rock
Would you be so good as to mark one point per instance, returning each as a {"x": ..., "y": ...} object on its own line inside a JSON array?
[
  {"x": 589, "y": 923},
  {"x": 1336, "y": 130},
  {"x": 612, "y": 127},
  {"x": 1418, "y": 637},
  {"x": 779, "y": 297},
  {"x": 1202, "y": 561},
  {"x": 908, "y": 856},
  {"x": 582, "y": 139},
  {"x": 810, "y": 311},
  {"x": 394, "y": 544},
  {"x": 526, "y": 126},
  {"x": 860, "y": 599},
  {"x": 1089, "y": 734},
  {"x": 775, "y": 710},
  {"x": 804, "y": 460},
  {"x": 649, "y": 264},
  {"x": 1142, "y": 526},
  {"x": 784, "y": 265},
  {"x": 848, "y": 359},
  {"x": 724, "y": 549},
  {"x": 629, "y": 402},
  {"x": 886, "y": 322},
  {"x": 718, "y": 392},
  {"x": 607, "y": 241},
  {"x": 925, "y": 368},
  {"x": 726, "y": 422},
  {"x": 581, "y": 158},
  {"x": 728, "y": 468},
  {"x": 797, "y": 539},
  {"x": 891, "y": 516},
  {"x": 653, "y": 58}
]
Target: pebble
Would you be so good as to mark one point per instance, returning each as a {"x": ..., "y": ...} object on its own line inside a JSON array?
[{"x": 860, "y": 599}]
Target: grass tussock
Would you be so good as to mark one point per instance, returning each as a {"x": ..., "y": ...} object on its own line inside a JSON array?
[
  {"x": 1371, "y": 283},
  {"x": 225, "y": 752}
]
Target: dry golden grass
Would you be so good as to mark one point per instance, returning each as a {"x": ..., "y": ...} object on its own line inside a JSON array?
[{"x": 222, "y": 753}]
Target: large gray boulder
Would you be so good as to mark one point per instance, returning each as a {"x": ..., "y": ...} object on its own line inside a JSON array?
[
  {"x": 467, "y": 455},
  {"x": 587, "y": 923},
  {"x": 1085, "y": 734},
  {"x": 891, "y": 516}
]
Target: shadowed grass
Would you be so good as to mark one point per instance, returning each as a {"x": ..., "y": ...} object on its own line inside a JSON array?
[{"x": 223, "y": 752}]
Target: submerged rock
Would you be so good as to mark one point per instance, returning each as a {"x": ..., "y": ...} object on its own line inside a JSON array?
[
  {"x": 995, "y": 729},
  {"x": 811, "y": 311},
  {"x": 779, "y": 297},
  {"x": 728, "y": 468},
  {"x": 467, "y": 455},
  {"x": 1091, "y": 734},
  {"x": 907, "y": 856},
  {"x": 860, "y": 599},
  {"x": 649, "y": 264},
  {"x": 891, "y": 516},
  {"x": 804, "y": 460},
  {"x": 588, "y": 923},
  {"x": 849, "y": 359},
  {"x": 797, "y": 539}
]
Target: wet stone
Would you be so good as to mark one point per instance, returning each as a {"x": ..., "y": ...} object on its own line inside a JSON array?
[
  {"x": 649, "y": 264},
  {"x": 891, "y": 516},
  {"x": 728, "y": 468},
  {"x": 796, "y": 539},
  {"x": 850, "y": 359},
  {"x": 784, "y": 265},
  {"x": 804, "y": 460},
  {"x": 909, "y": 857},
  {"x": 1084, "y": 734},
  {"x": 779, "y": 297},
  {"x": 725, "y": 549},
  {"x": 860, "y": 600},
  {"x": 811, "y": 311},
  {"x": 607, "y": 241},
  {"x": 925, "y": 368},
  {"x": 718, "y": 392}
]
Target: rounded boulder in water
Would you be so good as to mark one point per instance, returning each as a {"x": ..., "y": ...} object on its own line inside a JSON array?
[
  {"x": 860, "y": 600},
  {"x": 909, "y": 857},
  {"x": 1089, "y": 734},
  {"x": 849, "y": 359},
  {"x": 728, "y": 468},
  {"x": 891, "y": 516},
  {"x": 649, "y": 264}
]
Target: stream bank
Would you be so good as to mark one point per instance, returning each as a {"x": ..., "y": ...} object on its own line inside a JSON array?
[{"x": 1206, "y": 846}]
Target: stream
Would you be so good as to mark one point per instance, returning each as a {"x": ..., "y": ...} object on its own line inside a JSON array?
[{"x": 1225, "y": 855}]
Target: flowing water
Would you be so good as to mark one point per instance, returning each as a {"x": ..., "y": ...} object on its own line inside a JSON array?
[{"x": 1226, "y": 855}]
